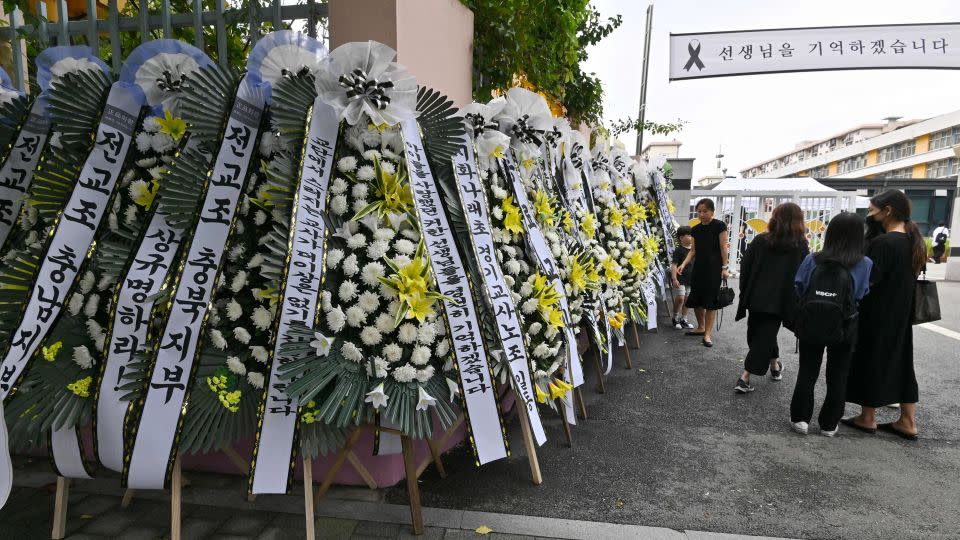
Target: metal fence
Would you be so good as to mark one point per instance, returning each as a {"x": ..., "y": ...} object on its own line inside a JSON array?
[
  {"x": 91, "y": 29},
  {"x": 750, "y": 211}
]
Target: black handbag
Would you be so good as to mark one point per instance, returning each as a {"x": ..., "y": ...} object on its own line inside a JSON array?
[
  {"x": 725, "y": 296},
  {"x": 926, "y": 301}
]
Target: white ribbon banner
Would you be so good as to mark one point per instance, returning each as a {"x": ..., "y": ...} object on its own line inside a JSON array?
[
  {"x": 508, "y": 324},
  {"x": 6, "y": 463},
  {"x": 272, "y": 456},
  {"x": 666, "y": 220},
  {"x": 903, "y": 46},
  {"x": 650, "y": 297},
  {"x": 152, "y": 452},
  {"x": 17, "y": 171},
  {"x": 128, "y": 334},
  {"x": 538, "y": 244},
  {"x": 75, "y": 230},
  {"x": 483, "y": 412}
]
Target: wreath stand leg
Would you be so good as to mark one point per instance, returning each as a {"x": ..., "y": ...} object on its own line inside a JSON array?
[
  {"x": 636, "y": 335},
  {"x": 413, "y": 490},
  {"x": 626, "y": 357},
  {"x": 240, "y": 464},
  {"x": 308, "y": 497},
  {"x": 127, "y": 498},
  {"x": 60, "y": 508},
  {"x": 601, "y": 385},
  {"x": 530, "y": 446},
  {"x": 342, "y": 456},
  {"x": 176, "y": 487},
  {"x": 435, "y": 448},
  {"x": 566, "y": 425},
  {"x": 578, "y": 396}
]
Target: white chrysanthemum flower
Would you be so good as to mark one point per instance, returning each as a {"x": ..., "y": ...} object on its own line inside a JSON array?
[
  {"x": 357, "y": 241},
  {"x": 499, "y": 192},
  {"x": 405, "y": 373},
  {"x": 262, "y": 318},
  {"x": 236, "y": 366},
  {"x": 350, "y": 266},
  {"x": 143, "y": 141},
  {"x": 255, "y": 261},
  {"x": 236, "y": 252},
  {"x": 325, "y": 298},
  {"x": 347, "y": 164},
  {"x": 535, "y": 328},
  {"x": 497, "y": 212},
  {"x": 255, "y": 379},
  {"x": 384, "y": 323},
  {"x": 359, "y": 191},
  {"x": 443, "y": 348},
  {"x": 425, "y": 374},
  {"x": 234, "y": 310},
  {"x": 339, "y": 186},
  {"x": 512, "y": 267},
  {"x": 411, "y": 235},
  {"x": 351, "y": 352},
  {"x": 217, "y": 340},
  {"x": 334, "y": 256},
  {"x": 347, "y": 290},
  {"x": 259, "y": 353},
  {"x": 404, "y": 246},
  {"x": 379, "y": 368},
  {"x": 393, "y": 352},
  {"x": 130, "y": 216},
  {"x": 242, "y": 335},
  {"x": 366, "y": 173},
  {"x": 355, "y": 316},
  {"x": 338, "y": 204},
  {"x": 388, "y": 167},
  {"x": 161, "y": 142},
  {"x": 371, "y": 155},
  {"x": 150, "y": 125},
  {"x": 369, "y": 301},
  {"x": 238, "y": 282},
  {"x": 269, "y": 143},
  {"x": 407, "y": 333},
  {"x": 370, "y": 336},
  {"x": 260, "y": 217},
  {"x": 90, "y": 308},
  {"x": 529, "y": 306},
  {"x": 509, "y": 281},
  {"x": 541, "y": 351},
  {"x": 385, "y": 234},
  {"x": 81, "y": 357},
  {"x": 86, "y": 284},
  {"x": 427, "y": 334},
  {"x": 526, "y": 289},
  {"x": 402, "y": 260},
  {"x": 551, "y": 332},
  {"x": 420, "y": 355},
  {"x": 76, "y": 303},
  {"x": 377, "y": 249}
]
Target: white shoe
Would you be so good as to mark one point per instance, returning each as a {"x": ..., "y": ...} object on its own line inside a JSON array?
[
  {"x": 826, "y": 433},
  {"x": 800, "y": 427},
  {"x": 894, "y": 405}
]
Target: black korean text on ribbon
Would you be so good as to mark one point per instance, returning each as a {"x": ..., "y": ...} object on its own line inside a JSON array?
[{"x": 694, "y": 56}]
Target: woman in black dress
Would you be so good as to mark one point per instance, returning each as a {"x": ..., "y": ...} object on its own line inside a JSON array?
[
  {"x": 882, "y": 372},
  {"x": 767, "y": 291},
  {"x": 709, "y": 257}
]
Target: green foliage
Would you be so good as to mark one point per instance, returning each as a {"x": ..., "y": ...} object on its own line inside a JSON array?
[
  {"x": 628, "y": 124},
  {"x": 545, "y": 41}
]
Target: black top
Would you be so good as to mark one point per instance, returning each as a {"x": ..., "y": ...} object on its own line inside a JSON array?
[
  {"x": 881, "y": 371},
  {"x": 679, "y": 254},
  {"x": 766, "y": 279},
  {"x": 705, "y": 283}
]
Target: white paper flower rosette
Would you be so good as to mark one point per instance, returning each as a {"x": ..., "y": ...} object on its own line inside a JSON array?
[
  {"x": 284, "y": 53},
  {"x": 54, "y": 63},
  {"x": 360, "y": 80}
]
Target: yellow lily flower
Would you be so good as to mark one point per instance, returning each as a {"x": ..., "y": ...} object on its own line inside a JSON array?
[
  {"x": 511, "y": 218},
  {"x": 420, "y": 307},
  {"x": 611, "y": 271},
  {"x": 143, "y": 193},
  {"x": 173, "y": 126},
  {"x": 589, "y": 225},
  {"x": 578, "y": 276},
  {"x": 567, "y": 222},
  {"x": 616, "y": 217},
  {"x": 541, "y": 395},
  {"x": 637, "y": 262},
  {"x": 544, "y": 208},
  {"x": 556, "y": 391}
]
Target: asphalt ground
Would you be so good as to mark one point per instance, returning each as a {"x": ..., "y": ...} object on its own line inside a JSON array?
[{"x": 671, "y": 445}]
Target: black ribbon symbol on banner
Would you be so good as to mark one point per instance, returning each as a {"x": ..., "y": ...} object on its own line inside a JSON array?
[{"x": 694, "y": 56}]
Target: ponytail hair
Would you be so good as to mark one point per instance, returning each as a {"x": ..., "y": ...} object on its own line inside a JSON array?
[{"x": 900, "y": 210}]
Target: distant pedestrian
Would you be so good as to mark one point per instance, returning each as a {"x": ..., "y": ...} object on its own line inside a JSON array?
[
  {"x": 831, "y": 284},
  {"x": 767, "y": 292},
  {"x": 940, "y": 236},
  {"x": 708, "y": 254},
  {"x": 681, "y": 280},
  {"x": 882, "y": 369}
]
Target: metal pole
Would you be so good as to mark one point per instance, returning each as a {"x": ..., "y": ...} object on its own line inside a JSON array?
[{"x": 642, "y": 115}]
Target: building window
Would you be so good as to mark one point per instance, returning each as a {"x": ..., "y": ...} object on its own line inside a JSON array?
[
  {"x": 897, "y": 151},
  {"x": 905, "y": 172},
  {"x": 852, "y": 164},
  {"x": 819, "y": 172},
  {"x": 943, "y": 168},
  {"x": 945, "y": 138}
]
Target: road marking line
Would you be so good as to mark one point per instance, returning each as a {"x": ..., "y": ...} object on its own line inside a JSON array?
[{"x": 941, "y": 330}]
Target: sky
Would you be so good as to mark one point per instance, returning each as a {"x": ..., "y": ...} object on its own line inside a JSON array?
[{"x": 758, "y": 117}]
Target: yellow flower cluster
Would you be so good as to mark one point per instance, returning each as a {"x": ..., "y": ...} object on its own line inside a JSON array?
[
  {"x": 583, "y": 273},
  {"x": 611, "y": 270},
  {"x": 616, "y": 217},
  {"x": 548, "y": 301},
  {"x": 511, "y": 216},
  {"x": 410, "y": 283},
  {"x": 589, "y": 225},
  {"x": 81, "y": 387},
  {"x": 309, "y": 416},
  {"x": 638, "y": 263},
  {"x": 229, "y": 400},
  {"x": 50, "y": 353},
  {"x": 543, "y": 206},
  {"x": 558, "y": 388},
  {"x": 617, "y": 319},
  {"x": 173, "y": 126}
]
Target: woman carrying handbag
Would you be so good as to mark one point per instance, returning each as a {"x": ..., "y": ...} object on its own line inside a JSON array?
[{"x": 709, "y": 257}]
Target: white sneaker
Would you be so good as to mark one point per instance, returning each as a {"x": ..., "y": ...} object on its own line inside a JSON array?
[
  {"x": 826, "y": 433},
  {"x": 894, "y": 405},
  {"x": 800, "y": 427}
]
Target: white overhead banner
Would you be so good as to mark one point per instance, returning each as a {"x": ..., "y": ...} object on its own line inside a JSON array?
[{"x": 893, "y": 46}]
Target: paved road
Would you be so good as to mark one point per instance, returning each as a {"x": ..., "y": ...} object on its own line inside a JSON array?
[{"x": 671, "y": 445}]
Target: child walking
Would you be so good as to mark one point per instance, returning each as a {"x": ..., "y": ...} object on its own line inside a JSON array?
[
  {"x": 831, "y": 284},
  {"x": 681, "y": 280}
]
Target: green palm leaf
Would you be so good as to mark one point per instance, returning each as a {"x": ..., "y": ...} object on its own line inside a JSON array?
[
  {"x": 205, "y": 103},
  {"x": 76, "y": 101},
  {"x": 12, "y": 116}
]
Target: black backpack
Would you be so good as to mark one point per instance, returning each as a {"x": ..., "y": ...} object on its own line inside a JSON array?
[
  {"x": 941, "y": 238},
  {"x": 826, "y": 310}
]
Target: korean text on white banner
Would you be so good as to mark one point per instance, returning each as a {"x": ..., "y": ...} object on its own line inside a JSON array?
[
  {"x": 272, "y": 459},
  {"x": 476, "y": 379},
  {"x": 149, "y": 460},
  {"x": 900, "y": 46},
  {"x": 507, "y": 321},
  {"x": 17, "y": 170}
]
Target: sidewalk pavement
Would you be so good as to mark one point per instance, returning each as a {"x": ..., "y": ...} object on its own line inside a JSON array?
[{"x": 214, "y": 507}]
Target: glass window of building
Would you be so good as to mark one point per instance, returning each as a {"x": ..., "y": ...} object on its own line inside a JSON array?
[{"x": 943, "y": 168}]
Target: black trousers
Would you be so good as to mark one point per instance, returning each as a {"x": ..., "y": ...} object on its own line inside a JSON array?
[
  {"x": 938, "y": 251},
  {"x": 838, "y": 367},
  {"x": 762, "y": 329}
]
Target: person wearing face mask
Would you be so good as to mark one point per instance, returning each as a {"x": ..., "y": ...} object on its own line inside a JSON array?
[
  {"x": 709, "y": 254},
  {"x": 881, "y": 371}
]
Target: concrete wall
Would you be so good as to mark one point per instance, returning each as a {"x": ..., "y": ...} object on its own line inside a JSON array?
[{"x": 433, "y": 38}]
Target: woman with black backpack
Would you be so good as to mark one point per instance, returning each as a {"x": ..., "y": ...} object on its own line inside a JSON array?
[
  {"x": 830, "y": 284},
  {"x": 882, "y": 371},
  {"x": 766, "y": 290}
]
